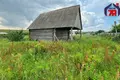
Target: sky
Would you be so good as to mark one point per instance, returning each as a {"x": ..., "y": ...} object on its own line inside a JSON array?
[{"x": 19, "y": 14}]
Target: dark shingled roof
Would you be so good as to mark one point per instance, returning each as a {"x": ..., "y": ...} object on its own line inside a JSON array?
[{"x": 61, "y": 18}]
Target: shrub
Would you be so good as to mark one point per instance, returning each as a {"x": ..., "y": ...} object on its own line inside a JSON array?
[
  {"x": 26, "y": 32},
  {"x": 15, "y": 35},
  {"x": 99, "y": 31},
  {"x": 3, "y": 35},
  {"x": 116, "y": 38},
  {"x": 26, "y": 38},
  {"x": 77, "y": 38},
  {"x": 107, "y": 36},
  {"x": 116, "y": 27}
]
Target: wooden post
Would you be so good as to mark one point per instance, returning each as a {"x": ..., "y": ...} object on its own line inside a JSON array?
[
  {"x": 71, "y": 36},
  {"x": 29, "y": 35},
  {"x": 115, "y": 28},
  {"x": 80, "y": 33},
  {"x": 54, "y": 34}
]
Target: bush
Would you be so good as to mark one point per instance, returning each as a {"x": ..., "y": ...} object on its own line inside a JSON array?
[
  {"x": 15, "y": 35},
  {"x": 26, "y": 38},
  {"x": 116, "y": 27},
  {"x": 116, "y": 38},
  {"x": 3, "y": 35},
  {"x": 26, "y": 32},
  {"x": 99, "y": 31},
  {"x": 107, "y": 36},
  {"x": 77, "y": 37}
]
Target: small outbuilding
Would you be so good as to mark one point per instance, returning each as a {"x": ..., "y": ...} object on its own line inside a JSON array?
[{"x": 57, "y": 24}]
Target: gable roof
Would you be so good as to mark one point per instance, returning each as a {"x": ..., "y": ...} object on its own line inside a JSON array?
[{"x": 61, "y": 18}]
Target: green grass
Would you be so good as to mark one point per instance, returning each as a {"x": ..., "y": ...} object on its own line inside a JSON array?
[
  {"x": 9, "y": 32},
  {"x": 88, "y": 58}
]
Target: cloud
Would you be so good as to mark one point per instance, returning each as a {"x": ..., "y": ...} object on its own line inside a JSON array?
[
  {"x": 21, "y": 13},
  {"x": 11, "y": 27},
  {"x": 114, "y": 1},
  {"x": 93, "y": 15},
  {"x": 18, "y": 13},
  {"x": 1, "y": 19},
  {"x": 90, "y": 19}
]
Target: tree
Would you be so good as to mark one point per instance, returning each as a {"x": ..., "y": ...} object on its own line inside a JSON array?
[
  {"x": 99, "y": 31},
  {"x": 116, "y": 27},
  {"x": 15, "y": 35}
]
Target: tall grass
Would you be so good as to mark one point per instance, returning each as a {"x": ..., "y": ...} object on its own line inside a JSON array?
[{"x": 88, "y": 58}]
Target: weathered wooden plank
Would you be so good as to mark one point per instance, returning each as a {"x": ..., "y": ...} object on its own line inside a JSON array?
[
  {"x": 41, "y": 34},
  {"x": 78, "y": 21},
  {"x": 62, "y": 34},
  {"x": 41, "y": 31}
]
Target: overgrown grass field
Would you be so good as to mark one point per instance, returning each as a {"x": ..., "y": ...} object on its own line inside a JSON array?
[{"x": 88, "y": 58}]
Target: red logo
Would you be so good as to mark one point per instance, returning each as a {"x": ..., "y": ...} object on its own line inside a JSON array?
[{"x": 112, "y": 10}]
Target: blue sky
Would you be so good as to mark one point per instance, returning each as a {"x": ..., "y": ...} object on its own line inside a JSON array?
[{"x": 19, "y": 14}]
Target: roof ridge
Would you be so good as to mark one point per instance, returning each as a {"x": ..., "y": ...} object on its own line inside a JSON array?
[
  {"x": 64, "y": 17},
  {"x": 61, "y": 9}
]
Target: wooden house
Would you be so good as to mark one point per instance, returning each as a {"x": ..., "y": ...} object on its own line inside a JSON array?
[{"x": 57, "y": 24}]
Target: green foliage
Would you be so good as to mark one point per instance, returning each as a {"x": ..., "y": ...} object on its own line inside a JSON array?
[
  {"x": 99, "y": 31},
  {"x": 116, "y": 27},
  {"x": 15, "y": 35},
  {"x": 86, "y": 58},
  {"x": 107, "y": 36},
  {"x": 3, "y": 36},
  {"x": 116, "y": 38},
  {"x": 26, "y": 38},
  {"x": 26, "y": 32}
]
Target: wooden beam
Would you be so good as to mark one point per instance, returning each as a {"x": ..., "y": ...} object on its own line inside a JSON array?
[
  {"x": 80, "y": 33},
  {"x": 54, "y": 35},
  {"x": 29, "y": 35},
  {"x": 71, "y": 34}
]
